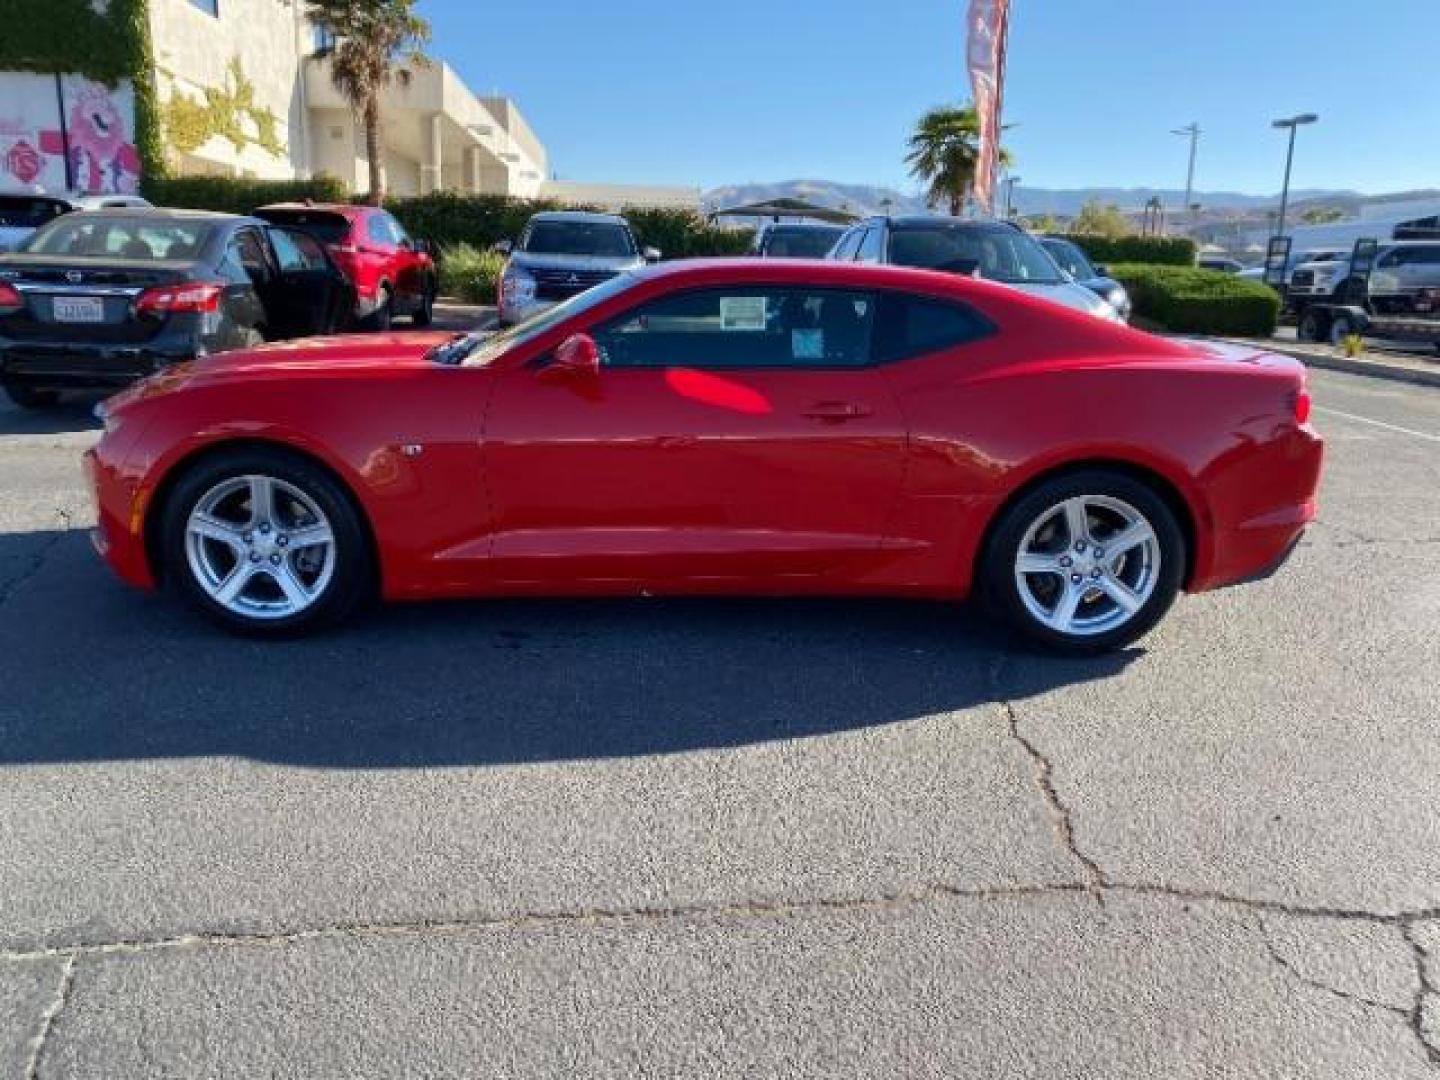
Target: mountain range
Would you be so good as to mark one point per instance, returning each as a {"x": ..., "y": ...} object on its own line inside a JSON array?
[{"x": 1061, "y": 202}]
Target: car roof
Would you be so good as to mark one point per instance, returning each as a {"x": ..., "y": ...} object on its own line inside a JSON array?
[
  {"x": 818, "y": 273},
  {"x": 920, "y": 221},
  {"x": 162, "y": 213},
  {"x": 818, "y": 225},
  {"x": 579, "y": 215},
  {"x": 343, "y": 209}
]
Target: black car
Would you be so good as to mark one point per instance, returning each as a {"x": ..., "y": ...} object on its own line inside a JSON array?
[
  {"x": 1078, "y": 265},
  {"x": 796, "y": 240},
  {"x": 100, "y": 299}
]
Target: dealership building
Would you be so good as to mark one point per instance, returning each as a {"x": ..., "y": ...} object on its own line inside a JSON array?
[{"x": 242, "y": 88}]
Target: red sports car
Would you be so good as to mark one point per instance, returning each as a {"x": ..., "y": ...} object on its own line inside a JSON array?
[{"x": 735, "y": 426}]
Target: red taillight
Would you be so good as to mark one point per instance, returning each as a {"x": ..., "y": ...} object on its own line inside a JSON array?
[
  {"x": 168, "y": 299},
  {"x": 10, "y": 298},
  {"x": 1301, "y": 400}
]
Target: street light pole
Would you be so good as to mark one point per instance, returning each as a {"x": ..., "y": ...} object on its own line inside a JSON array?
[
  {"x": 1193, "y": 130},
  {"x": 1292, "y": 123}
]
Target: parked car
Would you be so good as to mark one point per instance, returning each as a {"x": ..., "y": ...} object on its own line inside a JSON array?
[
  {"x": 1405, "y": 277},
  {"x": 721, "y": 426},
  {"x": 795, "y": 240},
  {"x": 21, "y": 215},
  {"x": 562, "y": 253},
  {"x": 394, "y": 276},
  {"x": 99, "y": 299},
  {"x": 1077, "y": 264},
  {"x": 995, "y": 251},
  {"x": 1220, "y": 264}
]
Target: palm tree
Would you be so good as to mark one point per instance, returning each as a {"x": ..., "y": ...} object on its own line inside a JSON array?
[
  {"x": 369, "y": 39},
  {"x": 944, "y": 153}
]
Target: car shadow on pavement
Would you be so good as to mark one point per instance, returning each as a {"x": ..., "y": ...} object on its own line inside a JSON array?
[{"x": 113, "y": 674}]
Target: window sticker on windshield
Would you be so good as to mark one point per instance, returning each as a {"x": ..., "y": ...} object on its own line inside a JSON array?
[
  {"x": 742, "y": 313},
  {"x": 807, "y": 344}
]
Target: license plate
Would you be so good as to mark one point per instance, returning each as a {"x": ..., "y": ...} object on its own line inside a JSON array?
[{"x": 78, "y": 309}]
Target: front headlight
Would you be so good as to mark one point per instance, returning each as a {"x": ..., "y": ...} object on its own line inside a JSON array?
[
  {"x": 517, "y": 286},
  {"x": 1118, "y": 299}
]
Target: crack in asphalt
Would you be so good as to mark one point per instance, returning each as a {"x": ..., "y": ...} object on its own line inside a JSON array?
[
  {"x": 1044, "y": 772},
  {"x": 1305, "y": 980},
  {"x": 37, "y": 561},
  {"x": 1425, "y": 989},
  {"x": 50, "y": 1017}
]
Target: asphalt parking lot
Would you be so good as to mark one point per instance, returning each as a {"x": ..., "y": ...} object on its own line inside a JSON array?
[{"x": 712, "y": 839}]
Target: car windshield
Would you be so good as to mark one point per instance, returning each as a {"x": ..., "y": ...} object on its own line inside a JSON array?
[
  {"x": 578, "y": 238},
  {"x": 27, "y": 212},
  {"x": 479, "y": 352},
  {"x": 325, "y": 226},
  {"x": 808, "y": 243},
  {"x": 1071, "y": 259},
  {"x": 995, "y": 252},
  {"x": 145, "y": 239}
]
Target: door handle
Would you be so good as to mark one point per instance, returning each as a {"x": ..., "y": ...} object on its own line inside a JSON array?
[{"x": 836, "y": 412}]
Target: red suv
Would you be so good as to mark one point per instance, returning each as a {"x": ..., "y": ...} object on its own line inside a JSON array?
[{"x": 393, "y": 275}]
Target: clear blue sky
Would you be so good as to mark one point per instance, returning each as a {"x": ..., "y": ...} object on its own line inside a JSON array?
[{"x": 672, "y": 91}]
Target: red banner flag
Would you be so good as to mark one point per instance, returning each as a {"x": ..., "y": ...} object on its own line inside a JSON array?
[{"x": 987, "y": 25}]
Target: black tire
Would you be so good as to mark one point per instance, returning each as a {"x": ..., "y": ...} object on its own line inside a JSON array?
[
  {"x": 29, "y": 397},
  {"x": 352, "y": 580},
  {"x": 425, "y": 314},
  {"x": 1339, "y": 330},
  {"x": 384, "y": 315},
  {"x": 996, "y": 578},
  {"x": 1309, "y": 327}
]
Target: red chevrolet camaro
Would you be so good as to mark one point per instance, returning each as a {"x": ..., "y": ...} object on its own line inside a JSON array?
[{"x": 720, "y": 427}]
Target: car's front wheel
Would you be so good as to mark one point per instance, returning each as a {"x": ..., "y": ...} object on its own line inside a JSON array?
[
  {"x": 1086, "y": 562},
  {"x": 265, "y": 542}
]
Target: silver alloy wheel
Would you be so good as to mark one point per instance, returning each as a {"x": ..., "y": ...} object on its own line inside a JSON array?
[
  {"x": 1086, "y": 565},
  {"x": 260, "y": 547}
]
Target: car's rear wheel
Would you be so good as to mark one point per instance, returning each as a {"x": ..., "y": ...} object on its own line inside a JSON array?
[
  {"x": 1309, "y": 327},
  {"x": 1086, "y": 562},
  {"x": 384, "y": 314},
  {"x": 265, "y": 542},
  {"x": 28, "y": 397},
  {"x": 425, "y": 313}
]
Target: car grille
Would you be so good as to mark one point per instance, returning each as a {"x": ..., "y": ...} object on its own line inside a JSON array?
[
  {"x": 563, "y": 284},
  {"x": 1304, "y": 278}
]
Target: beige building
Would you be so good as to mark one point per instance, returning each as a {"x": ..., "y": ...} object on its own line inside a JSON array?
[{"x": 242, "y": 94}]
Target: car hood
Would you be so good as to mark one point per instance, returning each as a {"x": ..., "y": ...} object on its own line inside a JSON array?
[
  {"x": 529, "y": 261},
  {"x": 1067, "y": 293}
]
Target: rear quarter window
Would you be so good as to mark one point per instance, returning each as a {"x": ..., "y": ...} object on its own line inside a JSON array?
[{"x": 910, "y": 326}]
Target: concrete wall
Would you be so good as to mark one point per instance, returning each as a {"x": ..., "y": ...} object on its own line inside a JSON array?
[{"x": 193, "y": 51}]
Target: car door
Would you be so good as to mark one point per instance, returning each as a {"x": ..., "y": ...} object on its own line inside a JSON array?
[
  {"x": 247, "y": 272},
  {"x": 736, "y": 433},
  {"x": 410, "y": 265},
  {"x": 296, "y": 296}
]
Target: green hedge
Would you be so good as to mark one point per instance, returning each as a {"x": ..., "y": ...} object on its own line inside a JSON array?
[
  {"x": 1162, "y": 250},
  {"x": 1189, "y": 300},
  {"x": 469, "y": 273},
  {"x": 238, "y": 195}
]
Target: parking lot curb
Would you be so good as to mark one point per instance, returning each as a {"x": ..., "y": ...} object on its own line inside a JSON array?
[{"x": 1375, "y": 369}]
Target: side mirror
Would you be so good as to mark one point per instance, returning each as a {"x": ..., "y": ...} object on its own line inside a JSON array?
[
  {"x": 576, "y": 361},
  {"x": 650, "y": 254},
  {"x": 503, "y": 247},
  {"x": 1102, "y": 271}
]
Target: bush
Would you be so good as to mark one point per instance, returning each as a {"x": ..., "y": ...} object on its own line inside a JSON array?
[
  {"x": 469, "y": 272},
  {"x": 238, "y": 195},
  {"x": 1190, "y": 300},
  {"x": 1163, "y": 250}
]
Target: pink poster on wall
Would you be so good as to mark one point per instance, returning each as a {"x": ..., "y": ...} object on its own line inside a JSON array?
[
  {"x": 44, "y": 120},
  {"x": 32, "y": 153},
  {"x": 100, "y": 130}
]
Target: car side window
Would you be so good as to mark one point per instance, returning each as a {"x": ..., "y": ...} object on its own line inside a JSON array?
[
  {"x": 310, "y": 250},
  {"x": 249, "y": 251},
  {"x": 287, "y": 254},
  {"x": 871, "y": 245},
  {"x": 398, "y": 236},
  {"x": 911, "y": 326},
  {"x": 376, "y": 229},
  {"x": 845, "y": 249},
  {"x": 743, "y": 327}
]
